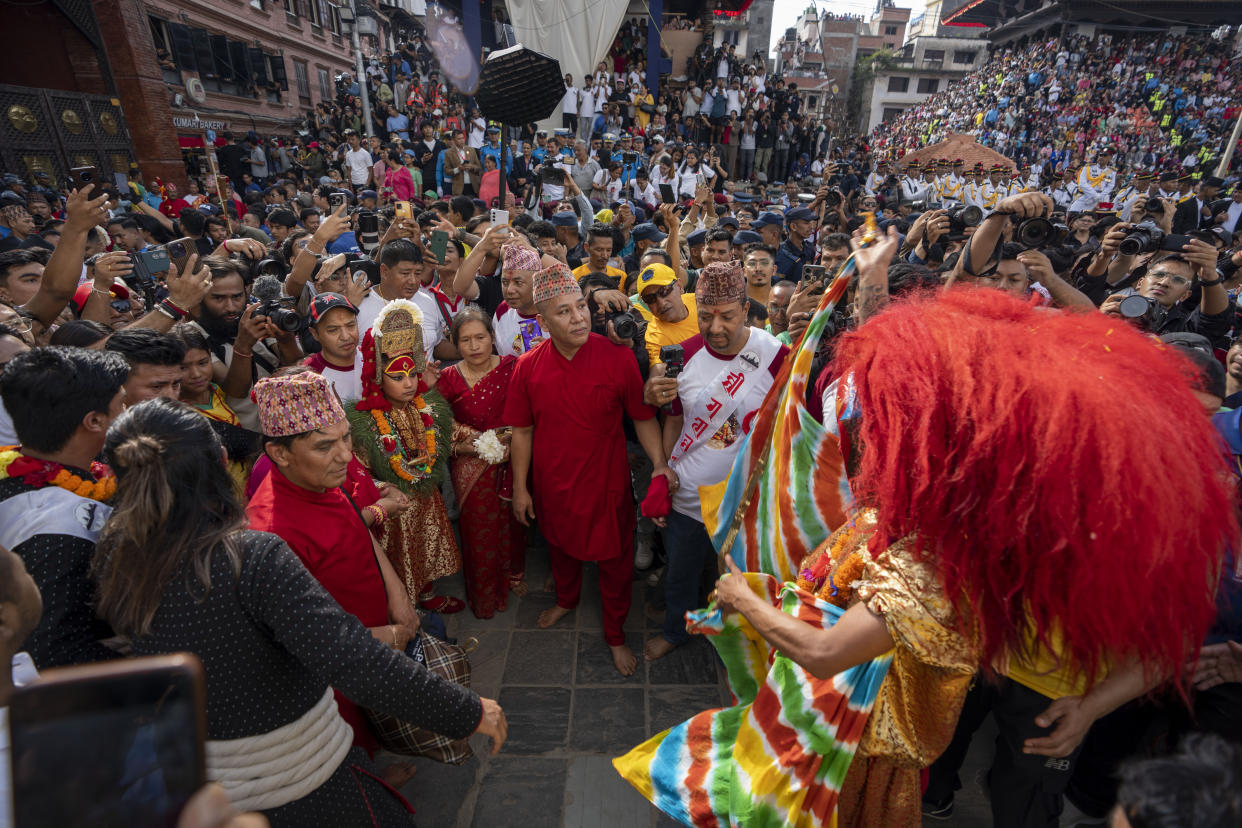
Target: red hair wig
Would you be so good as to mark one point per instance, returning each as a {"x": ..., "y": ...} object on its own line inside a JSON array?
[{"x": 1057, "y": 468}]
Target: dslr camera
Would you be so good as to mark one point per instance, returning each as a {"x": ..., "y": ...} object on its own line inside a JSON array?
[
  {"x": 1146, "y": 237},
  {"x": 1145, "y": 314},
  {"x": 549, "y": 173},
  {"x": 1039, "y": 232},
  {"x": 281, "y": 313},
  {"x": 961, "y": 217},
  {"x": 624, "y": 323}
]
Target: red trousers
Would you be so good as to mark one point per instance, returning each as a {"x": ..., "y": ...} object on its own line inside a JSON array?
[{"x": 615, "y": 588}]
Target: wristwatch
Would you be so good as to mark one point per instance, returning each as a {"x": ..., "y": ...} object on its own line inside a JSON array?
[{"x": 1212, "y": 283}]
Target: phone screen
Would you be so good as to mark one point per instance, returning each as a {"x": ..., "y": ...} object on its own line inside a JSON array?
[
  {"x": 666, "y": 194},
  {"x": 114, "y": 745}
]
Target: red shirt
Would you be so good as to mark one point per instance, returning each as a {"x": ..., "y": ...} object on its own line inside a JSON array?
[
  {"x": 580, "y": 477},
  {"x": 329, "y": 537},
  {"x": 331, "y": 540},
  {"x": 173, "y": 207}
]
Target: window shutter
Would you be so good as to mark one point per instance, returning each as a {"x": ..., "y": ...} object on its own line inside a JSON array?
[
  {"x": 278, "y": 71},
  {"x": 203, "y": 57},
  {"x": 182, "y": 47},
  {"x": 241, "y": 61},
  {"x": 220, "y": 57}
]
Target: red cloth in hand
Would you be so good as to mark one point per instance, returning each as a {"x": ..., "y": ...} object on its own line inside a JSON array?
[{"x": 657, "y": 503}]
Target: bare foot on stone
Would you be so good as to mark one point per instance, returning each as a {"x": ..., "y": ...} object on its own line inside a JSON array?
[
  {"x": 550, "y": 616},
  {"x": 623, "y": 658},
  {"x": 657, "y": 648}
]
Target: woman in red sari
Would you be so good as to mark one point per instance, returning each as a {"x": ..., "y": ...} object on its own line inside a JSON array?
[{"x": 493, "y": 542}]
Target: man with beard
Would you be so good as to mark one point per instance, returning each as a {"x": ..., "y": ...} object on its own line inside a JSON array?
[
  {"x": 729, "y": 367},
  {"x": 244, "y": 348}
]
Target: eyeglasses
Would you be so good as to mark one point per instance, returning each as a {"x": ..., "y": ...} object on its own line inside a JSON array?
[{"x": 1165, "y": 276}]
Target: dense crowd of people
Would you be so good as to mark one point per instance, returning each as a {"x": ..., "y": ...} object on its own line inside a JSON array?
[
  {"x": 1157, "y": 99},
  {"x": 412, "y": 353}
]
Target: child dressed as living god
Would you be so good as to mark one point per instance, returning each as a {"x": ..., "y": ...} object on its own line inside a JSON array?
[{"x": 401, "y": 429}]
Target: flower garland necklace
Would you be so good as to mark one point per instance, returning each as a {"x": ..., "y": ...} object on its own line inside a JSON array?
[
  {"x": 40, "y": 473},
  {"x": 831, "y": 577},
  {"x": 398, "y": 449}
]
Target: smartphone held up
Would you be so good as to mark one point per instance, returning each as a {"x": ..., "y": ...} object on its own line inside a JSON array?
[{"x": 117, "y": 743}]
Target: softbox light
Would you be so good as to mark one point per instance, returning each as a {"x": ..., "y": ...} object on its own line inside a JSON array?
[{"x": 519, "y": 86}]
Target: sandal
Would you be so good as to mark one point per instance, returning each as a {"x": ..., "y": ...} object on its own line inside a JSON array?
[
  {"x": 443, "y": 604},
  {"x": 518, "y": 585}
]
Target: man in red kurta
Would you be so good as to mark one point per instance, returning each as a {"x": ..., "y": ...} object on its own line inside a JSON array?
[
  {"x": 565, "y": 403},
  {"x": 304, "y": 501}
]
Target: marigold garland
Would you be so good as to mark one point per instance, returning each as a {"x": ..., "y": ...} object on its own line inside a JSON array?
[
  {"x": 398, "y": 449},
  {"x": 830, "y": 575},
  {"x": 40, "y": 473}
]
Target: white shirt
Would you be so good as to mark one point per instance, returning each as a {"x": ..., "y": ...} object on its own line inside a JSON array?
[
  {"x": 569, "y": 101},
  {"x": 514, "y": 333},
  {"x": 650, "y": 195},
  {"x": 688, "y": 181},
  {"x": 711, "y": 459},
  {"x": 347, "y": 382},
  {"x": 1234, "y": 214},
  {"x": 478, "y": 128},
  {"x": 432, "y": 325},
  {"x": 359, "y": 163},
  {"x": 694, "y": 100},
  {"x": 8, "y": 437},
  {"x": 586, "y": 102},
  {"x": 733, "y": 98},
  {"x": 611, "y": 187}
]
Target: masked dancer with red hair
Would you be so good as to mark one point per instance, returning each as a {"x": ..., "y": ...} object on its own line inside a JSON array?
[{"x": 996, "y": 464}]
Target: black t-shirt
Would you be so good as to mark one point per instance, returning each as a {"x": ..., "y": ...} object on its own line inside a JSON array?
[{"x": 490, "y": 294}]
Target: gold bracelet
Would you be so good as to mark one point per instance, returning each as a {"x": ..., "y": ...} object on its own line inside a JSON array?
[{"x": 393, "y": 627}]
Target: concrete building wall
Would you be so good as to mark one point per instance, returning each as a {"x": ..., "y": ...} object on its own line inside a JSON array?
[{"x": 932, "y": 61}]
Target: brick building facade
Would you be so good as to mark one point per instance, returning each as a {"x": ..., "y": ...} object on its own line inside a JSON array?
[
  {"x": 233, "y": 65},
  {"x": 128, "y": 85}
]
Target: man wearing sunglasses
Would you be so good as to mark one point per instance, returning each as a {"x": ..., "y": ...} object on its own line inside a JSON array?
[{"x": 673, "y": 312}]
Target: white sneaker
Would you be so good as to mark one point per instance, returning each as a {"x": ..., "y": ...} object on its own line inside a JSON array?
[{"x": 643, "y": 554}]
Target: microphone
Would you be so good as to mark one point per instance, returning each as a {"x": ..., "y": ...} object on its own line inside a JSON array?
[{"x": 266, "y": 287}]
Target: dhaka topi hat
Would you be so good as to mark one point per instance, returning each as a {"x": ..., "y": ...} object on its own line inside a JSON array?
[
  {"x": 296, "y": 404},
  {"x": 517, "y": 257},
  {"x": 554, "y": 281},
  {"x": 720, "y": 283}
]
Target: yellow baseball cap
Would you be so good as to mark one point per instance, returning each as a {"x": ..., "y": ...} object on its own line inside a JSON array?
[{"x": 655, "y": 275}]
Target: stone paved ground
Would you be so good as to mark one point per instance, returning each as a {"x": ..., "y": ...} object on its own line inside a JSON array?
[{"x": 570, "y": 713}]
